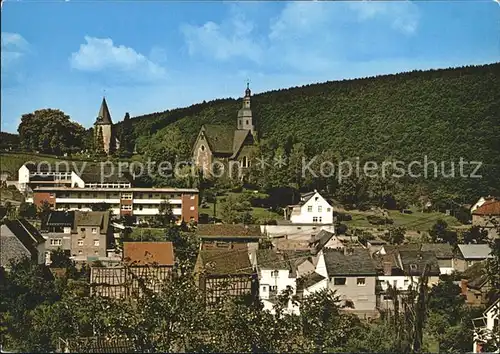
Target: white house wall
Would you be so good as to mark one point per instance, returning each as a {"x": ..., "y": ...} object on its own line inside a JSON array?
[{"x": 305, "y": 216}]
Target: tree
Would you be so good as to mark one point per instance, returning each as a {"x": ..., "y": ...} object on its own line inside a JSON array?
[
  {"x": 165, "y": 216},
  {"x": 27, "y": 210},
  {"x": 99, "y": 143},
  {"x": 438, "y": 231},
  {"x": 50, "y": 131},
  {"x": 126, "y": 137},
  {"x": 475, "y": 235},
  {"x": 43, "y": 213},
  {"x": 102, "y": 206},
  {"x": 396, "y": 235}
]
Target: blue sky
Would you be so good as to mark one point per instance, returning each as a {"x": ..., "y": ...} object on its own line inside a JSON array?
[{"x": 153, "y": 56}]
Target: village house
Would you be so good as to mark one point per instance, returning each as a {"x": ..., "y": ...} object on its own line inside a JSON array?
[
  {"x": 277, "y": 273},
  {"x": 96, "y": 345},
  {"x": 486, "y": 327},
  {"x": 487, "y": 216},
  {"x": 220, "y": 148},
  {"x": 18, "y": 240},
  {"x": 312, "y": 209},
  {"x": 481, "y": 201},
  {"x": 221, "y": 273},
  {"x": 471, "y": 254},
  {"x": 145, "y": 265},
  {"x": 352, "y": 274},
  {"x": 228, "y": 236},
  {"x": 401, "y": 267},
  {"x": 86, "y": 236},
  {"x": 475, "y": 285},
  {"x": 445, "y": 254}
]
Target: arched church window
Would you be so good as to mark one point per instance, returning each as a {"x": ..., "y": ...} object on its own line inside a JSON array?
[
  {"x": 203, "y": 148},
  {"x": 247, "y": 121}
]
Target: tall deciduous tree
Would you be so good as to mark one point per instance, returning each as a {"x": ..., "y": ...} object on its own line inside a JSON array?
[{"x": 50, "y": 131}]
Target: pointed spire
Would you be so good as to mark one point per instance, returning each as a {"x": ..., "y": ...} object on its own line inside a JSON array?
[
  {"x": 104, "y": 116},
  {"x": 247, "y": 91}
]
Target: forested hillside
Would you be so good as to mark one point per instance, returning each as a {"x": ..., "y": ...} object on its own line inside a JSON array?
[{"x": 444, "y": 114}]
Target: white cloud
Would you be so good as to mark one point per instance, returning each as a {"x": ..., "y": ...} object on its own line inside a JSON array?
[
  {"x": 402, "y": 15},
  {"x": 99, "y": 54},
  {"x": 13, "y": 47},
  {"x": 232, "y": 38}
]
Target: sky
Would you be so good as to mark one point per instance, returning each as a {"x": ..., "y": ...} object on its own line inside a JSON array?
[{"x": 150, "y": 56}]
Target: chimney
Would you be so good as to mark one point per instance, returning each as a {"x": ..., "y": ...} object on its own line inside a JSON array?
[
  {"x": 464, "y": 286},
  {"x": 387, "y": 268}
]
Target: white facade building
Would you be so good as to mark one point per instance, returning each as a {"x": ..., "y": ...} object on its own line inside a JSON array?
[
  {"x": 487, "y": 327},
  {"x": 312, "y": 209}
]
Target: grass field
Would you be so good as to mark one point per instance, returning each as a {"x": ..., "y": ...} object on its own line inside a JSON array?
[
  {"x": 148, "y": 234},
  {"x": 417, "y": 221},
  {"x": 257, "y": 213}
]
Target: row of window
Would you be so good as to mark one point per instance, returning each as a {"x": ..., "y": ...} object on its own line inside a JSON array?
[
  {"x": 320, "y": 209},
  {"x": 343, "y": 281},
  {"x": 317, "y": 219},
  {"x": 107, "y": 185},
  {"x": 58, "y": 242}
]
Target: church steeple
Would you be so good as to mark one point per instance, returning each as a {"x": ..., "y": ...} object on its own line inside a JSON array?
[
  {"x": 245, "y": 121},
  {"x": 104, "y": 116}
]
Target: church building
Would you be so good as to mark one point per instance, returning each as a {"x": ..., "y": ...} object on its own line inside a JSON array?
[
  {"x": 103, "y": 129},
  {"x": 223, "y": 144}
]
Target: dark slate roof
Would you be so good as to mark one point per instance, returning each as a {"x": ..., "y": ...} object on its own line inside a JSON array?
[
  {"x": 476, "y": 275},
  {"x": 226, "y": 261},
  {"x": 441, "y": 250},
  {"x": 25, "y": 233},
  {"x": 61, "y": 218},
  {"x": 321, "y": 239},
  {"x": 92, "y": 218},
  {"x": 419, "y": 259},
  {"x": 273, "y": 259},
  {"x": 304, "y": 197},
  {"x": 104, "y": 117},
  {"x": 219, "y": 138},
  {"x": 100, "y": 345},
  {"x": 309, "y": 280},
  {"x": 358, "y": 262}
]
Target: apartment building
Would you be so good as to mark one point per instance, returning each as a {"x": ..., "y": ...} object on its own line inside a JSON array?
[{"x": 65, "y": 189}]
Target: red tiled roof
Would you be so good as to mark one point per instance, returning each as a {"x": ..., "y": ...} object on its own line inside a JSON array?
[
  {"x": 141, "y": 253},
  {"x": 488, "y": 208}
]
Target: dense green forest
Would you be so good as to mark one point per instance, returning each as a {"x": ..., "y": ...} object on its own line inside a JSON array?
[{"x": 444, "y": 114}]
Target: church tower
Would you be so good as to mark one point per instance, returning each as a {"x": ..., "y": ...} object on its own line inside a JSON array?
[
  {"x": 104, "y": 127},
  {"x": 245, "y": 113}
]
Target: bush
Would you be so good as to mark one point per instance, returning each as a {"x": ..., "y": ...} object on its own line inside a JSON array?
[
  {"x": 341, "y": 229},
  {"x": 343, "y": 217},
  {"x": 377, "y": 220}
]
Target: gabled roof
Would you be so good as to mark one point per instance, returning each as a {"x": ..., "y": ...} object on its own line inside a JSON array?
[
  {"x": 219, "y": 138},
  {"x": 141, "y": 253},
  {"x": 304, "y": 197},
  {"x": 321, "y": 239},
  {"x": 340, "y": 263},
  {"x": 105, "y": 173},
  {"x": 476, "y": 275},
  {"x": 104, "y": 117},
  {"x": 309, "y": 280},
  {"x": 239, "y": 139},
  {"x": 61, "y": 218},
  {"x": 495, "y": 303},
  {"x": 489, "y": 208},
  {"x": 226, "y": 261},
  {"x": 26, "y": 233},
  {"x": 414, "y": 262},
  {"x": 92, "y": 218},
  {"x": 441, "y": 250},
  {"x": 275, "y": 260},
  {"x": 475, "y": 251}
]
